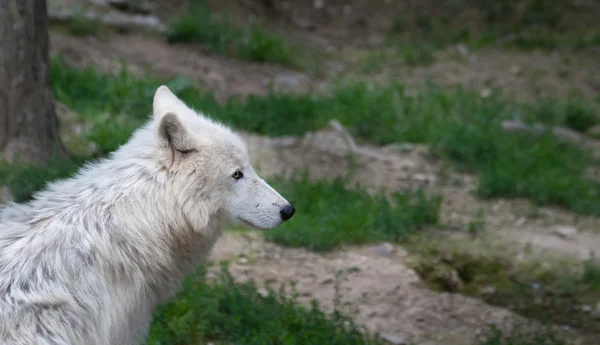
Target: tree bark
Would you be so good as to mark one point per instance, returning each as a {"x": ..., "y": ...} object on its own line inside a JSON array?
[{"x": 28, "y": 123}]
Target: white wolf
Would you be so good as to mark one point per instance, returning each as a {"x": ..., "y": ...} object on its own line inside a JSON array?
[{"x": 88, "y": 260}]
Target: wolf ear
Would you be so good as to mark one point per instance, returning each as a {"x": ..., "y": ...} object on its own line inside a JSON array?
[
  {"x": 165, "y": 100},
  {"x": 173, "y": 135}
]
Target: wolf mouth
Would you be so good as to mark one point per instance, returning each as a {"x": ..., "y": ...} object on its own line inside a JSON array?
[{"x": 252, "y": 225}]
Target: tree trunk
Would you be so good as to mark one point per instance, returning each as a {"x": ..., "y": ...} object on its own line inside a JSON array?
[{"x": 28, "y": 123}]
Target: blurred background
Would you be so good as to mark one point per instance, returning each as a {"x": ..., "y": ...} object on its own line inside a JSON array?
[{"x": 442, "y": 156}]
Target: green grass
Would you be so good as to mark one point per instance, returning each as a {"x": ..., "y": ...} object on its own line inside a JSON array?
[
  {"x": 226, "y": 312},
  {"x": 459, "y": 125},
  {"x": 332, "y": 214},
  {"x": 199, "y": 25},
  {"x": 572, "y": 112}
]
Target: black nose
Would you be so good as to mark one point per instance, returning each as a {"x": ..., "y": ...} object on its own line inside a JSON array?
[{"x": 287, "y": 212}]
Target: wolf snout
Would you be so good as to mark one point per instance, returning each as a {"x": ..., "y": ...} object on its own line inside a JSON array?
[{"x": 287, "y": 212}]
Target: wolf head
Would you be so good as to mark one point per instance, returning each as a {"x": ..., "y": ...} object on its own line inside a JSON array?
[{"x": 209, "y": 168}]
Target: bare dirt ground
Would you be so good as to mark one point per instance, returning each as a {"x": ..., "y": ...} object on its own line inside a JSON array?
[
  {"x": 379, "y": 288},
  {"x": 380, "y": 291}
]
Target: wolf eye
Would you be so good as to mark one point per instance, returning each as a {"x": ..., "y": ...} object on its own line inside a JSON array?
[{"x": 237, "y": 175}]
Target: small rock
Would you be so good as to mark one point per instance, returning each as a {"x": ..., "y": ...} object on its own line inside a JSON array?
[
  {"x": 319, "y": 4},
  {"x": 286, "y": 82},
  {"x": 566, "y": 232},
  {"x": 586, "y": 308},
  {"x": 392, "y": 339},
  {"x": 242, "y": 261},
  {"x": 462, "y": 49},
  {"x": 263, "y": 292},
  {"x": 485, "y": 93},
  {"x": 516, "y": 70},
  {"x": 521, "y": 221},
  {"x": 326, "y": 281},
  {"x": 384, "y": 249},
  {"x": 427, "y": 178}
]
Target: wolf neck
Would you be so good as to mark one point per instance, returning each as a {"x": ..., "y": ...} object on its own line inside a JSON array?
[
  {"x": 157, "y": 240},
  {"x": 121, "y": 204}
]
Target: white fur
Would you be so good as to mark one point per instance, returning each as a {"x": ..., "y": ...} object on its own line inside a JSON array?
[{"x": 87, "y": 261}]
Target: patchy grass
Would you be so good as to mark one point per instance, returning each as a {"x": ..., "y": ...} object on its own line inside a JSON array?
[
  {"x": 333, "y": 215},
  {"x": 573, "y": 112},
  {"x": 540, "y": 288},
  {"x": 199, "y": 25},
  {"x": 116, "y": 104},
  {"x": 226, "y": 312},
  {"x": 459, "y": 125}
]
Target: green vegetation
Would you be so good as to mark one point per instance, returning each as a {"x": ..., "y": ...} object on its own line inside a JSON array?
[
  {"x": 540, "y": 288},
  {"x": 224, "y": 311},
  {"x": 459, "y": 125},
  {"x": 573, "y": 112},
  {"x": 333, "y": 215},
  {"x": 217, "y": 33}
]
